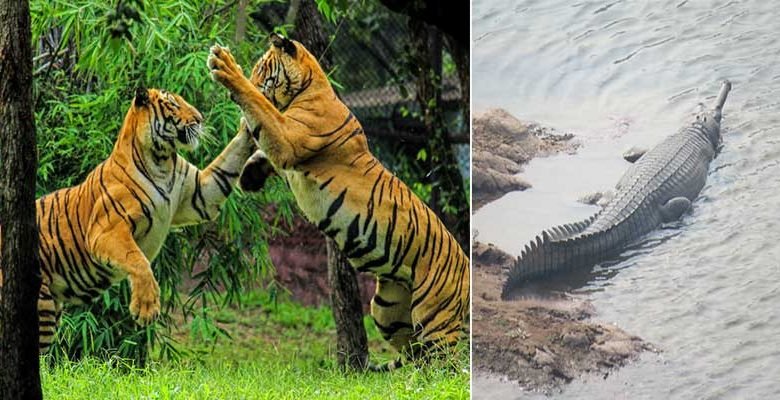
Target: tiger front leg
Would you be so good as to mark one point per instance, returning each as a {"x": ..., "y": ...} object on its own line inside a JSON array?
[
  {"x": 204, "y": 192},
  {"x": 117, "y": 248},
  {"x": 284, "y": 141},
  {"x": 229, "y": 74}
]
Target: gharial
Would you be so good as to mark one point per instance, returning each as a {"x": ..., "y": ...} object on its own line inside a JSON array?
[{"x": 658, "y": 188}]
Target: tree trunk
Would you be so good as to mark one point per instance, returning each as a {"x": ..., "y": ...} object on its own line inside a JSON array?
[
  {"x": 352, "y": 345},
  {"x": 448, "y": 188},
  {"x": 460, "y": 55},
  {"x": 240, "y": 21},
  {"x": 19, "y": 369}
]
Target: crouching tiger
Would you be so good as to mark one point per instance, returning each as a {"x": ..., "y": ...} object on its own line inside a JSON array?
[
  {"x": 313, "y": 140},
  {"x": 113, "y": 224}
]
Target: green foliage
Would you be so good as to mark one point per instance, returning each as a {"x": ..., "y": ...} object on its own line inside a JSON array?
[
  {"x": 124, "y": 16},
  {"x": 279, "y": 350},
  {"x": 83, "y": 89},
  {"x": 333, "y": 10},
  {"x": 82, "y": 95}
]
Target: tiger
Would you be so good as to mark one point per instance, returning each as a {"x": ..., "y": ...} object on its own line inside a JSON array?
[
  {"x": 311, "y": 139},
  {"x": 113, "y": 225}
]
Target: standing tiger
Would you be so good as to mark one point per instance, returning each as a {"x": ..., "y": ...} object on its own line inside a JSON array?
[
  {"x": 313, "y": 140},
  {"x": 113, "y": 224}
]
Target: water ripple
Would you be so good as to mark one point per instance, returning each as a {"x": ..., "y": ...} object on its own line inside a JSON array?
[{"x": 705, "y": 291}]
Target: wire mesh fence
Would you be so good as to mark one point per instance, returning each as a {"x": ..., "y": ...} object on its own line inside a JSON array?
[{"x": 374, "y": 81}]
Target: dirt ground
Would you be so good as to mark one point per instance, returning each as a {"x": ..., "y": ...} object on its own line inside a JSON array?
[
  {"x": 544, "y": 338},
  {"x": 301, "y": 263}
]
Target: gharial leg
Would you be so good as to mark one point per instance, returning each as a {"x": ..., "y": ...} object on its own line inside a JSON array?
[
  {"x": 633, "y": 154},
  {"x": 675, "y": 208}
]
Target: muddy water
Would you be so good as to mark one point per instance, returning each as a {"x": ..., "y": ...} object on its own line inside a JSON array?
[{"x": 707, "y": 290}]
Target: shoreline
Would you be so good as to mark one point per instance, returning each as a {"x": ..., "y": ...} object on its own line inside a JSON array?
[{"x": 547, "y": 338}]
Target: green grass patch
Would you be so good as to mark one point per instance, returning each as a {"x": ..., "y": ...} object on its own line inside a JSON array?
[{"x": 280, "y": 351}]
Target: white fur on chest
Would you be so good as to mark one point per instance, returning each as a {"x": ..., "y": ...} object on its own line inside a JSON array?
[
  {"x": 312, "y": 201},
  {"x": 151, "y": 239},
  {"x": 151, "y": 243}
]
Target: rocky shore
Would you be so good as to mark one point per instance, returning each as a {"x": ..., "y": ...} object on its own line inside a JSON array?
[
  {"x": 501, "y": 145},
  {"x": 548, "y": 338},
  {"x": 541, "y": 341}
]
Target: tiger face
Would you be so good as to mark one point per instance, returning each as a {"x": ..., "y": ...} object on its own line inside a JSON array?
[
  {"x": 284, "y": 71},
  {"x": 173, "y": 124}
]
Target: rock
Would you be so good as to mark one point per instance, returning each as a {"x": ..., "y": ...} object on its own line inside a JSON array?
[
  {"x": 576, "y": 339},
  {"x": 616, "y": 348},
  {"x": 486, "y": 180},
  {"x": 591, "y": 198},
  {"x": 633, "y": 154},
  {"x": 498, "y": 132},
  {"x": 600, "y": 199},
  {"x": 482, "y": 159},
  {"x": 488, "y": 297},
  {"x": 501, "y": 145},
  {"x": 543, "y": 358},
  {"x": 490, "y": 254}
]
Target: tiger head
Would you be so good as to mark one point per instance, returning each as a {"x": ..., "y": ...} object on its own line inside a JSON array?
[
  {"x": 284, "y": 71},
  {"x": 165, "y": 122}
]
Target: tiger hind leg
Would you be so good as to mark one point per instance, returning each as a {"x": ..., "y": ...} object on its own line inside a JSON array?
[
  {"x": 48, "y": 314},
  {"x": 390, "y": 309},
  {"x": 439, "y": 316}
]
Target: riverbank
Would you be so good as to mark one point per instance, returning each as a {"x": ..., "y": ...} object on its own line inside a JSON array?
[
  {"x": 547, "y": 338},
  {"x": 502, "y": 144}
]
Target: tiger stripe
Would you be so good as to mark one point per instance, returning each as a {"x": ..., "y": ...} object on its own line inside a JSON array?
[
  {"x": 113, "y": 224},
  {"x": 313, "y": 140}
]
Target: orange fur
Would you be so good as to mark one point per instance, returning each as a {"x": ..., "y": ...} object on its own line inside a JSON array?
[
  {"x": 313, "y": 140},
  {"x": 113, "y": 224}
]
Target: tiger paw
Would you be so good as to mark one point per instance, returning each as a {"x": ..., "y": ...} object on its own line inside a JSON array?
[
  {"x": 255, "y": 172},
  {"x": 145, "y": 300},
  {"x": 223, "y": 67}
]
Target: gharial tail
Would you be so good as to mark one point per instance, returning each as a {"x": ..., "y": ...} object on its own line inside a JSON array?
[{"x": 562, "y": 248}]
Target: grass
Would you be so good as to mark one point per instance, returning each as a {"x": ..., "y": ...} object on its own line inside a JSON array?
[{"x": 285, "y": 351}]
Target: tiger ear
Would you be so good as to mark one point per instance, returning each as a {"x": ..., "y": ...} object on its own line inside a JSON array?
[
  {"x": 283, "y": 43},
  {"x": 141, "y": 97}
]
